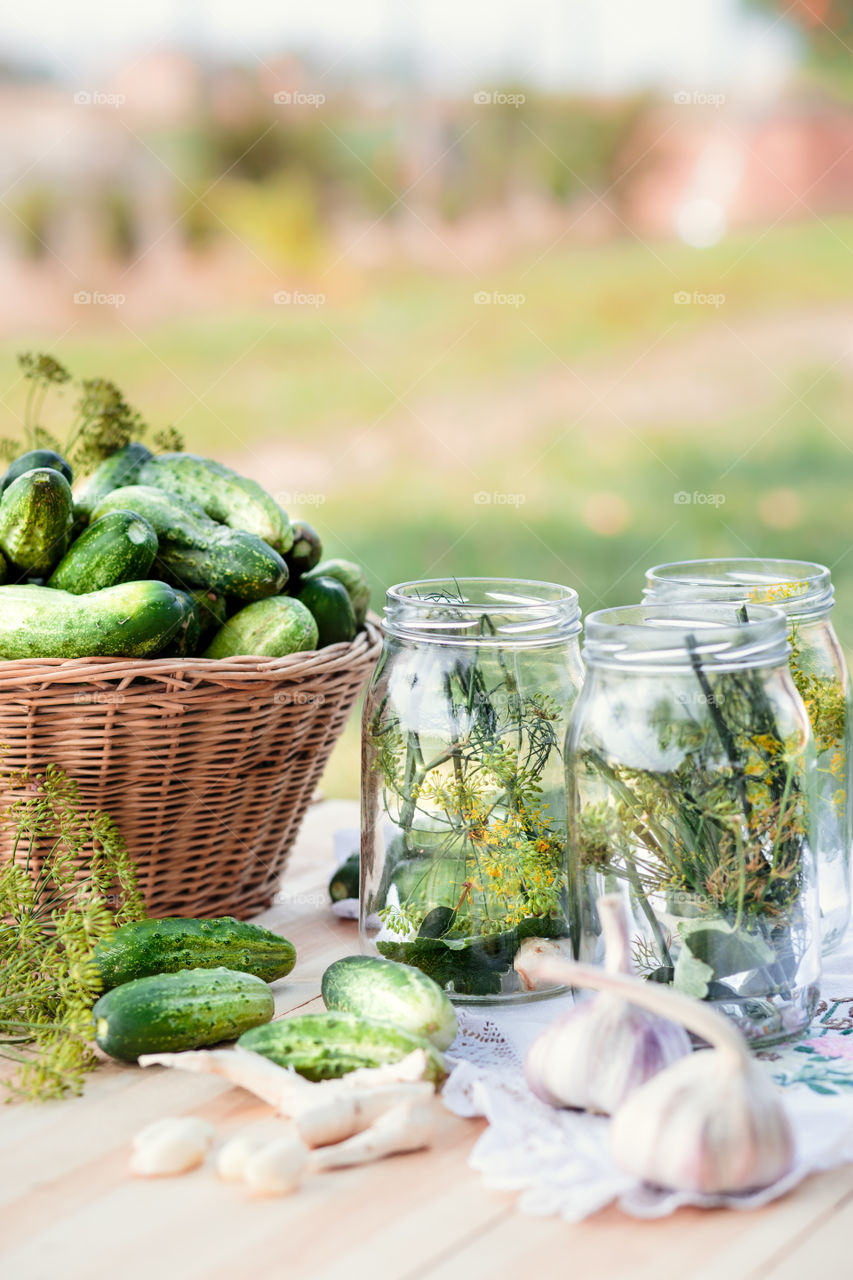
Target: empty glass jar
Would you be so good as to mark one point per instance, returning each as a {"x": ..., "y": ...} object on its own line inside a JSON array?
[
  {"x": 690, "y": 769},
  {"x": 803, "y": 591},
  {"x": 463, "y": 782}
]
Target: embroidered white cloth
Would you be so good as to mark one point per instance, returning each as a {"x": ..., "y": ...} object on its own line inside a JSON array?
[{"x": 559, "y": 1161}]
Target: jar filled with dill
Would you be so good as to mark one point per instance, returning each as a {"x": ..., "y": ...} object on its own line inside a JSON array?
[
  {"x": 804, "y": 593},
  {"x": 691, "y": 770},
  {"x": 463, "y": 781}
]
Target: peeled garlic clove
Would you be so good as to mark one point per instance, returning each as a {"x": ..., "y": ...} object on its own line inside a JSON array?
[
  {"x": 531, "y": 952},
  {"x": 598, "y": 1052},
  {"x": 708, "y": 1124},
  {"x": 170, "y": 1146},
  {"x": 277, "y": 1168},
  {"x": 188, "y": 1126},
  {"x": 233, "y": 1157}
]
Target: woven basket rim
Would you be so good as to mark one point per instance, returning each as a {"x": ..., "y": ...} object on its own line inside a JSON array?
[{"x": 363, "y": 649}]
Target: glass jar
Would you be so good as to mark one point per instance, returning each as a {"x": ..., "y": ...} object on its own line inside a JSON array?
[
  {"x": 463, "y": 781},
  {"x": 691, "y": 768},
  {"x": 803, "y": 591}
]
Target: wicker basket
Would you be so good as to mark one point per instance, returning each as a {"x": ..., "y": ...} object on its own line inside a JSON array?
[{"x": 206, "y": 766}]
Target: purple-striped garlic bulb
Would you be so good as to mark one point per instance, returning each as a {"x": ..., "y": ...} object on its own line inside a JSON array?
[{"x": 596, "y": 1054}]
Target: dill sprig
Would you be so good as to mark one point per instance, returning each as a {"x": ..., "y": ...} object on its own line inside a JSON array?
[
  {"x": 68, "y": 882},
  {"x": 103, "y": 421}
]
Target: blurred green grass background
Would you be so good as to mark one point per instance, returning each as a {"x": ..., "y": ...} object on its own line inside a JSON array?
[{"x": 586, "y": 407}]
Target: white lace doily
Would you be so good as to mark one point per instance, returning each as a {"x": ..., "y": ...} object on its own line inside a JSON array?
[{"x": 559, "y": 1161}]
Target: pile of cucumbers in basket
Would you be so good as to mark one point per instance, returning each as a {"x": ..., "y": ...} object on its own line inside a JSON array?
[{"x": 170, "y": 555}]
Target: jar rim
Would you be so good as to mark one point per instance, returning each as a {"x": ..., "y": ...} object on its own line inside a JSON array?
[
  {"x": 674, "y": 636},
  {"x": 521, "y": 612},
  {"x": 802, "y": 589}
]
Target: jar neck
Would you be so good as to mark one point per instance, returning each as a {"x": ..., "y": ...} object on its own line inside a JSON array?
[
  {"x": 802, "y": 589},
  {"x": 483, "y": 612},
  {"x": 671, "y": 639}
]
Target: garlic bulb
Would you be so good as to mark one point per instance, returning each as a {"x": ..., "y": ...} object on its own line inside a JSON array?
[
  {"x": 711, "y": 1123},
  {"x": 600, "y": 1051}
]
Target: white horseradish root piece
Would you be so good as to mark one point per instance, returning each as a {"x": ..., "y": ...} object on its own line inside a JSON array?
[
  {"x": 170, "y": 1146},
  {"x": 409, "y": 1126},
  {"x": 712, "y": 1122},
  {"x": 325, "y": 1112}
]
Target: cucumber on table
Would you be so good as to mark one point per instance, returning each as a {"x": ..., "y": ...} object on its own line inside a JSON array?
[
  {"x": 267, "y": 629},
  {"x": 323, "y": 1046},
  {"x": 34, "y": 459},
  {"x": 36, "y": 515},
  {"x": 118, "y": 470},
  {"x": 330, "y": 606},
  {"x": 131, "y": 620},
  {"x": 352, "y": 578},
  {"x": 222, "y": 493},
  {"x": 168, "y": 1012},
  {"x": 166, "y": 946},
  {"x": 195, "y": 551},
  {"x": 391, "y": 992},
  {"x": 120, "y": 547},
  {"x": 345, "y": 881}
]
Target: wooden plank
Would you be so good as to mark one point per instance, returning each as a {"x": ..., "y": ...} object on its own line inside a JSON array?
[{"x": 70, "y": 1207}]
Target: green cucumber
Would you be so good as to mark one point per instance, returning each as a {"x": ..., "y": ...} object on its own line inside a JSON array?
[
  {"x": 352, "y": 578},
  {"x": 120, "y": 547},
  {"x": 132, "y": 620},
  {"x": 119, "y": 469},
  {"x": 323, "y": 1046},
  {"x": 195, "y": 551},
  {"x": 267, "y": 629},
  {"x": 168, "y": 1012},
  {"x": 166, "y": 946},
  {"x": 212, "y": 611},
  {"x": 306, "y": 550},
  {"x": 223, "y": 494},
  {"x": 184, "y": 643},
  {"x": 391, "y": 992},
  {"x": 36, "y": 515},
  {"x": 330, "y": 605},
  {"x": 344, "y": 882},
  {"x": 33, "y": 460}
]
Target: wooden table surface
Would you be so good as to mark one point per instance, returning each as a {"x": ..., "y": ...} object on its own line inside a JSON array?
[{"x": 69, "y": 1210}]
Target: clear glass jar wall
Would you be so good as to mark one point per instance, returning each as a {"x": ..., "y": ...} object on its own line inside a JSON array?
[
  {"x": 463, "y": 780},
  {"x": 690, "y": 768},
  {"x": 804, "y": 592}
]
